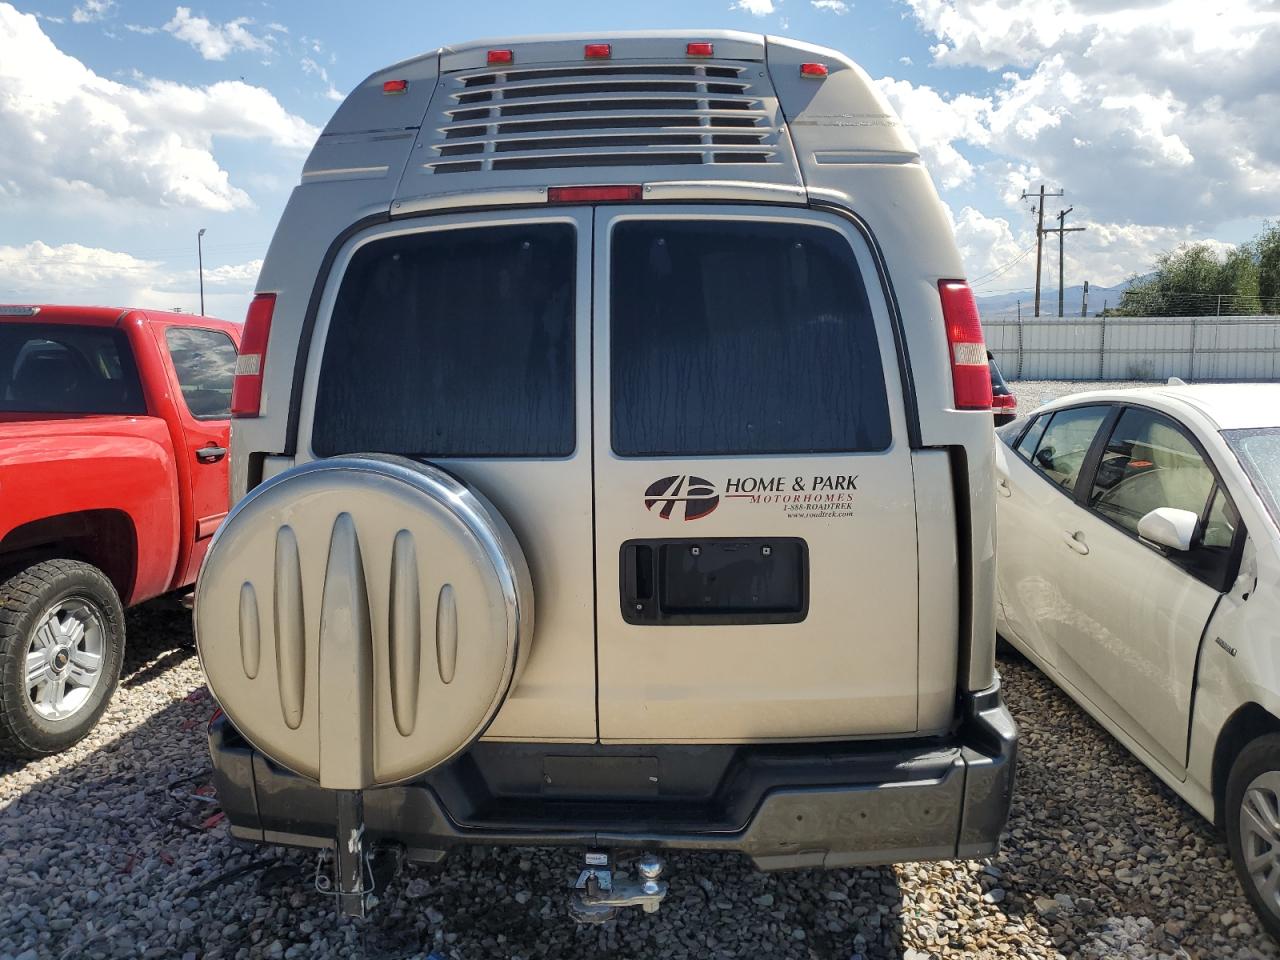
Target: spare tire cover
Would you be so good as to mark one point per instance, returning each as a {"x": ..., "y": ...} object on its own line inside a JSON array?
[{"x": 361, "y": 619}]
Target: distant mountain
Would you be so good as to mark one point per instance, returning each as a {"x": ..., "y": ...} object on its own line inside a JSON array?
[{"x": 1006, "y": 304}]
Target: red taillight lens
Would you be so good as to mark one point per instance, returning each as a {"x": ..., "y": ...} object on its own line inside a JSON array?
[
  {"x": 1004, "y": 401},
  {"x": 498, "y": 57},
  {"x": 970, "y": 374},
  {"x": 600, "y": 194},
  {"x": 597, "y": 51},
  {"x": 246, "y": 389},
  {"x": 817, "y": 70},
  {"x": 700, "y": 50},
  {"x": 395, "y": 86}
]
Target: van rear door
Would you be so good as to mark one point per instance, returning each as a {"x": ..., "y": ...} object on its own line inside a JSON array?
[{"x": 756, "y": 568}]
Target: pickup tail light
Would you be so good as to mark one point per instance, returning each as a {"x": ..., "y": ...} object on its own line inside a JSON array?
[
  {"x": 970, "y": 374},
  {"x": 246, "y": 389},
  {"x": 1004, "y": 402}
]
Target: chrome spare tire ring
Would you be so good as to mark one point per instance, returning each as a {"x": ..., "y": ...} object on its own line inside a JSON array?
[{"x": 64, "y": 658}]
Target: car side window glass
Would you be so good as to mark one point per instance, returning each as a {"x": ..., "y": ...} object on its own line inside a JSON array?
[
  {"x": 1031, "y": 439},
  {"x": 1148, "y": 462},
  {"x": 205, "y": 361},
  {"x": 1065, "y": 443},
  {"x": 1221, "y": 522}
]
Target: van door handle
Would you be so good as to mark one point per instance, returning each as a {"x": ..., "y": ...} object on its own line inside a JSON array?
[
  {"x": 1002, "y": 487},
  {"x": 211, "y": 454},
  {"x": 1076, "y": 541}
]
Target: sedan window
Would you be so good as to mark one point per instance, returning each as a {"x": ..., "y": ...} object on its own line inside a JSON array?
[
  {"x": 1148, "y": 463},
  {"x": 1065, "y": 443}
]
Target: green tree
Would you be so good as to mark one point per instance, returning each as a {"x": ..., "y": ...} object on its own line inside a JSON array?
[
  {"x": 1194, "y": 281},
  {"x": 1266, "y": 251}
]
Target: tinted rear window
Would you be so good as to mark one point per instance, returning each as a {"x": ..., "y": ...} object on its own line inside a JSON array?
[
  {"x": 453, "y": 343},
  {"x": 60, "y": 368},
  {"x": 733, "y": 337}
]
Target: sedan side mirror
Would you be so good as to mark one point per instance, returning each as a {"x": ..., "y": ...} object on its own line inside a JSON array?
[{"x": 1169, "y": 527}]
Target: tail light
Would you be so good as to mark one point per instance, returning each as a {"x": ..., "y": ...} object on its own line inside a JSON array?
[
  {"x": 970, "y": 374},
  {"x": 1004, "y": 402},
  {"x": 246, "y": 389}
]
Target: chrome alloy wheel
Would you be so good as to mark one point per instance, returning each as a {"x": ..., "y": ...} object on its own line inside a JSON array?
[
  {"x": 64, "y": 658},
  {"x": 1260, "y": 835}
]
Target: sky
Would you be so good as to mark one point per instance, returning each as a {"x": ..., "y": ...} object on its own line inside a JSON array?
[{"x": 126, "y": 127}]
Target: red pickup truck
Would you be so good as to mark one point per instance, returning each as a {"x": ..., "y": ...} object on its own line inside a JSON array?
[{"x": 113, "y": 477}]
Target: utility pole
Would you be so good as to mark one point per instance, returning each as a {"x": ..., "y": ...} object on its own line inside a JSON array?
[
  {"x": 200, "y": 261},
  {"x": 1039, "y": 235},
  {"x": 1061, "y": 230},
  {"x": 1084, "y": 300}
]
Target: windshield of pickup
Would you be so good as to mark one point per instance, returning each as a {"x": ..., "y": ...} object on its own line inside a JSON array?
[
  {"x": 62, "y": 368},
  {"x": 1258, "y": 451}
]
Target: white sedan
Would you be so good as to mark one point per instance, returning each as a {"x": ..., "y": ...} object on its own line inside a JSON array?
[{"x": 1138, "y": 566}]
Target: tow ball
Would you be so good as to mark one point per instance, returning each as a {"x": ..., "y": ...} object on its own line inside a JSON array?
[{"x": 600, "y": 892}]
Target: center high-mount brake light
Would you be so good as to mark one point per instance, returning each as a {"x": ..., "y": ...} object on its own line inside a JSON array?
[
  {"x": 500, "y": 57},
  {"x": 970, "y": 374},
  {"x": 597, "y": 194},
  {"x": 246, "y": 389},
  {"x": 597, "y": 51},
  {"x": 815, "y": 70},
  {"x": 702, "y": 49},
  {"x": 395, "y": 86}
]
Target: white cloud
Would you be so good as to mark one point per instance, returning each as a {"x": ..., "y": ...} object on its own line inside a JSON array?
[
  {"x": 831, "y": 6},
  {"x": 91, "y": 10},
  {"x": 905, "y": 61},
  {"x": 139, "y": 28},
  {"x": 37, "y": 272},
  {"x": 1150, "y": 111},
  {"x": 936, "y": 124},
  {"x": 311, "y": 67},
  {"x": 758, "y": 8},
  {"x": 71, "y": 136},
  {"x": 216, "y": 41}
]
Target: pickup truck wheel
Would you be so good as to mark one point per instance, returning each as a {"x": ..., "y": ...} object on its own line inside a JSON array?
[
  {"x": 1252, "y": 818},
  {"x": 61, "y": 647}
]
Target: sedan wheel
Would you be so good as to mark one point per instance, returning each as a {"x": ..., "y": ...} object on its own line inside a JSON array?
[{"x": 1252, "y": 821}]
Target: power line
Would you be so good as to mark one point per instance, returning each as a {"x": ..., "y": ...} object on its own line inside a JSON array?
[{"x": 992, "y": 275}]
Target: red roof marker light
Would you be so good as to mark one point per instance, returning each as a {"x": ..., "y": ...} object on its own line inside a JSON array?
[
  {"x": 395, "y": 86},
  {"x": 700, "y": 49},
  {"x": 597, "y": 51},
  {"x": 815, "y": 70},
  {"x": 499, "y": 57}
]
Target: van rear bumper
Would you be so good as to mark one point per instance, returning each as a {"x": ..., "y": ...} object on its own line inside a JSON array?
[{"x": 785, "y": 806}]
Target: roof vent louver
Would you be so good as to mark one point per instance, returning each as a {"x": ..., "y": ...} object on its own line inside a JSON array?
[{"x": 607, "y": 114}]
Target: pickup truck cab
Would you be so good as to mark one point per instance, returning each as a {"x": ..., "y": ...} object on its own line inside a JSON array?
[{"x": 113, "y": 477}]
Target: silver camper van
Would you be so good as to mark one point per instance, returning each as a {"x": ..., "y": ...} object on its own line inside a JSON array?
[{"x": 612, "y": 468}]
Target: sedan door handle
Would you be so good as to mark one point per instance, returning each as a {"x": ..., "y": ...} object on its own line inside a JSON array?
[
  {"x": 1076, "y": 541},
  {"x": 211, "y": 454}
]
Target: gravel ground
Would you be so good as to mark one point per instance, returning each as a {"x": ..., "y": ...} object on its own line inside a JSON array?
[
  {"x": 111, "y": 850},
  {"x": 115, "y": 849}
]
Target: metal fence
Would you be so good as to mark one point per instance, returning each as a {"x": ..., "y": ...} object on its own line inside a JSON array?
[{"x": 1137, "y": 348}]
